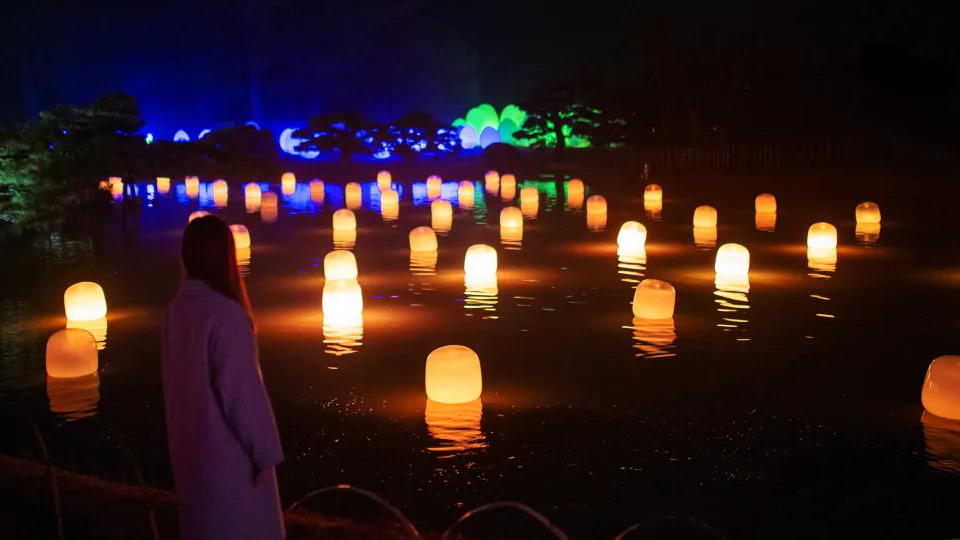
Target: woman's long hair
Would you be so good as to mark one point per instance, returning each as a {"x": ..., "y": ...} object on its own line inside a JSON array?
[{"x": 208, "y": 253}]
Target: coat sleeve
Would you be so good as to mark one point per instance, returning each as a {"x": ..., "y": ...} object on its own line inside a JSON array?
[{"x": 238, "y": 385}]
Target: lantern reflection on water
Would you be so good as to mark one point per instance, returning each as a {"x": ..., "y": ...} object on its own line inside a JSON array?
[
  {"x": 269, "y": 210},
  {"x": 317, "y": 191},
  {"x": 342, "y": 299},
  {"x": 508, "y": 187},
  {"x": 705, "y": 216},
  {"x": 868, "y": 212},
  {"x": 654, "y": 338},
  {"x": 732, "y": 260},
  {"x": 766, "y": 221},
  {"x": 252, "y": 197},
  {"x": 163, "y": 185},
  {"x": 74, "y": 398},
  {"x": 344, "y": 239},
  {"x": 575, "y": 194},
  {"x": 454, "y": 427},
  {"x": 941, "y": 388},
  {"x": 705, "y": 237},
  {"x": 84, "y": 301},
  {"x": 423, "y": 263},
  {"x": 340, "y": 264},
  {"x": 197, "y": 214},
  {"x": 654, "y": 299},
  {"x": 71, "y": 352},
  {"x": 441, "y": 216},
  {"x": 867, "y": 233},
  {"x": 652, "y": 192},
  {"x": 632, "y": 237},
  {"x": 220, "y": 193},
  {"x": 822, "y": 260},
  {"x": 241, "y": 236},
  {"x": 822, "y": 236},
  {"x": 433, "y": 186},
  {"x": 654, "y": 209},
  {"x": 353, "y": 194},
  {"x": 452, "y": 375},
  {"x": 465, "y": 195},
  {"x": 732, "y": 301},
  {"x": 384, "y": 180},
  {"x": 97, "y": 327},
  {"x": 942, "y": 438},
  {"x": 765, "y": 203},
  {"x": 344, "y": 220},
  {"x": 288, "y": 183},
  {"x": 192, "y": 184},
  {"x": 390, "y": 205}
]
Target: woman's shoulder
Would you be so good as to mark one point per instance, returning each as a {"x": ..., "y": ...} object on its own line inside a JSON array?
[{"x": 200, "y": 299}]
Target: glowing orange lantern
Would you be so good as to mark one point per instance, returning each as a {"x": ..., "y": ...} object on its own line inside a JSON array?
[
  {"x": 441, "y": 212},
  {"x": 465, "y": 195},
  {"x": 433, "y": 186},
  {"x": 97, "y": 327},
  {"x": 632, "y": 237},
  {"x": 344, "y": 220},
  {"x": 342, "y": 300},
  {"x": 575, "y": 194},
  {"x": 868, "y": 212},
  {"x": 116, "y": 187},
  {"x": 508, "y": 187},
  {"x": 652, "y": 192},
  {"x": 390, "y": 205},
  {"x": 163, "y": 185},
  {"x": 705, "y": 216},
  {"x": 241, "y": 236},
  {"x": 452, "y": 375},
  {"x": 765, "y": 203},
  {"x": 340, "y": 264},
  {"x": 220, "y": 193},
  {"x": 822, "y": 236},
  {"x": 71, "y": 352},
  {"x": 510, "y": 217},
  {"x": 480, "y": 262},
  {"x": 596, "y": 204},
  {"x": 252, "y": 197},
  {"x": 491, "y": 181},
  {"x": 268, "y": 208},
  {"x": 423, "y": 239},
  {"x": 354, "y": 195},
  {"x": 197, "y": 214},
  {"x": 384, "y": 180},
  {"x": 192, "y": 183},
  {"x": 732, "y": 260},
  {"x": 941, "y": 388},
  {"x": 84, "y": 301},
  {"x": 654, "y": 299},
  {"x": 288, "y": 183},
  {"x": 317, "y": 191}
]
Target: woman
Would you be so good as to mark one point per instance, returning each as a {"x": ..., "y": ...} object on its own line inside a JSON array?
[{"x": 223, "y": 438}]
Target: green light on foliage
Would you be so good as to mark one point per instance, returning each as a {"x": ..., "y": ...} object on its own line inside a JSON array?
[{"x": 510, "y": 119}]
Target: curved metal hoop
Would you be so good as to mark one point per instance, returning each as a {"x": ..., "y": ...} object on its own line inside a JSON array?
[
  {"x": 368, "y": 494},
  {"x": 507, "y": 504},
  {"x": 640, "y": 524}
]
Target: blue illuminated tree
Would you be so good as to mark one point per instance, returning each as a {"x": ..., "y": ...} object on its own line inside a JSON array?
[
  {"x": 337, "y": 132},
  {"x": 416, "y": 133}
]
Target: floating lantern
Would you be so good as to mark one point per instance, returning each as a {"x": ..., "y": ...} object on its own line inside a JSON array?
[
  {"x": 465, "y": 195},
  {"x": 452, "y": 375},
  {"x": 596, "y": 204},
  {"x": 441, "y": 213},
  {"x": 342, "y": 300},
  {"x": 654, "y": 299},
  {"x": 353, "y": 195},
  {"x": 868, "y": 212},
  {"x": 867, "y": 233},
  {"x": 192, "y": 184},
  {"x": 705, "y": 216},
  {"x": 163, "y": 185},
  {"x": 822, "y": 259},
  {"x": 822, "y": 236},
  {"x": 390, "y": 204},
  {"x": 197, "y": 214},
  {"x": 340, "y": 264},
  {"x": 423, "y": 239},
  {"x": 511, "y": 216},
  {"x": 705, "y": 237},
  {"x": 384, "y": 180},
  {"x": 71, "y": 352},
  {"x": 97, "y": 327},
  {"x": 529, "y": 194},
  {"x": 316, "y": 191},
  {"x": 84, "y": 301},
  {"x": 344, "y": 239},
  {"x": 220, "y": 193},
  {"x": 252, "y": 197},
  {"x": 508, "y": 187},
  {"x": 480, "y": 262},
  {"x": 433, "y": 186},
  {"x": 765, "y": 203},
  {"x": 288, "y": 183},
  {"x": 941, "y": 388},
  {"x": 766, "y": 221},
  {"x": 268, "y": 207},
  {"x": 652, "y": 192},
  {"x": 344, "y": 220},
  {"x": 455, "y": 427},
  {"x": 632, "y": 237},
  {"x": 241, "y": 236},
  {"x": 491, "y": 180},
  {"x": 575, "y": 194},
  {"x": 732, "y": 260}
]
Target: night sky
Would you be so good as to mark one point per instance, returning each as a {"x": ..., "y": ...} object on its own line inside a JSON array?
[{"x": 210, "y": 63}]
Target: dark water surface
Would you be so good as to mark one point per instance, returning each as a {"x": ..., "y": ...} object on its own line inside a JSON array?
[{"x": 790, "y": 410}]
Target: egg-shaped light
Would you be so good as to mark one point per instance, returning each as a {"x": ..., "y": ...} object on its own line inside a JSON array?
[
  {"x": 192, "y": 185},
  {"x": 822, "y": 236},
  {"x": 465, "y": 194},
  {"x": 765, "y": 203},
  {"x": 269, "y": 209},
  {"x": 423, "y": 239},
  {"x": 317, "y": 191},
  {"x": 84, "y": 301},
  {"x": 384, "y": 180},
  {"x": 653, "y": 192},
  {"x": 941, "y": 388},
  {"x": 433, "y": 186},
  {"x": 654, "y": 299},
  {"x": 732, "y": 260},
  {"x": 71, "y": 352},
  {"x": 342, "y": 299},
  {"x": 220, "y": 193},
  {"x": 344, "y": 220},
  {"x": 705, "y": 216},
  {"x": 353, "y": 195},
  {"x": 596, "y": 204},
  {"x": 252, "y": 197},
  {"x": 575, "y": 194},
  {"x": 163, "y": 185},
  {"x": 508, "y": 187},
  {"x": 441, "y": 214},
  {"x": 288, "y": 183},
  {"x": 241, "y": 236},
  {"x": 452, "y": 375},
  {"x": 868, "y": 212},
  {"x": 480, "y": 262},
  {"x": 340, "y": 264},
  {"x": 632, "y": 236},
  {"x": 510, "y": 217}
]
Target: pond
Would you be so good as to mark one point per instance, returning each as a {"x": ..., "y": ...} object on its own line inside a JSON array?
[{"x": 787, "y": 405}]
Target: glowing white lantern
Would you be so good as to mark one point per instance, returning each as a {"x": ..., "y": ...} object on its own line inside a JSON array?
[
  {"x": 433, "y": 186},
  {"x": 705, "y": 216},
  {"x": 632, "y": 237},
  {"x": 765, "y": 203},
  {"x": 192, "y": 183},
  {"x": 241, "y": 236},
  {"x": 732, "y": 260},
  {"x": 342, "y": 300},
  {"x": 441, "y": 213},
  {"x": 353, "y": 194},
  {"x": 596, "y": 204},
  {"x": 197, "y": 214},
  {"x": 163, "y": 185},
  {"x": 654, "y": 299},
  {"x": 480, "y": 262},
  {"x": 511, "y": 217},
  {"x": 252, "y": 197},
  {"x": 652, "y": 192},
  {"x": 941, "y": 388},
  {"x": 84, "y": 301},
  {"x": 268, "y": 208},
  {"x": 766, "y": 221},
  {"x": 868, "y": 212},
  {"x": 340, "y": 264},
  {"x": 452, "y": 375},
  {"x": 822, "y": 236},
  {"x": 317, "y": 191},
  {"x": 71, "y": 352},
  {"x": 508, "y": 187},
  {"x": 465, "y": 195},
  {"x": 344, "y": 220},
  {"x": 220, "y": 193},
  {"x": 288, "y": 183},
  {"x": 868, "y": 233},
  {"x": 575, "y": 194},
  {"x": 384, "y": 180},
  {"x": 423, "y": 239}
]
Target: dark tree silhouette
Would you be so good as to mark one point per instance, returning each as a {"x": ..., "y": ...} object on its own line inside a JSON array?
[
  {"x": 559, "y": 113},
  {"x": 333, "y": 132},
  {"x": 415, "y": 133}
]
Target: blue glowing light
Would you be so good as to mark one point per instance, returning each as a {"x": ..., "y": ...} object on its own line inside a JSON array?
[
  {"x": 288, "y": 143},
  {"x": 203, "y": 134},
  {"x": 254, "y": 124},
  {"x": 468, "y": 137},
  {"x": 181, "y": 136},
  {"x": 489, "y": 136},
  {"x": 149, "y": 138}
]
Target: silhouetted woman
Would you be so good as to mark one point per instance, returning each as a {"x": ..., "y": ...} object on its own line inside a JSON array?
[{"x": 222, "y": 435}]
